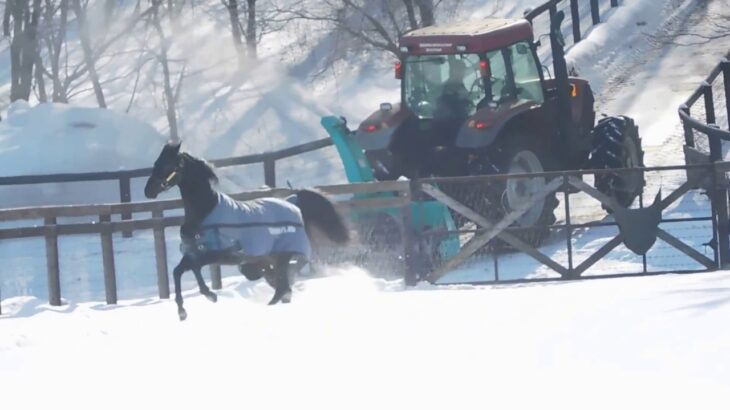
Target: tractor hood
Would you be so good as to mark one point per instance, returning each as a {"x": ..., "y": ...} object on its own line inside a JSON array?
[
  {"x": 377, "y": 131},
  {"x": 482, "y": 128}
]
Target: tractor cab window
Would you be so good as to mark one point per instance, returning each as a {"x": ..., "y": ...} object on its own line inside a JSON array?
[
  {"x": 513, "y": 75},
  {"x": 526, "y": 74},
  {"x": 443, "y": 86}
]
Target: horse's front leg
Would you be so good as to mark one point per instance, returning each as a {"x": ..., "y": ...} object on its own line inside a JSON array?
[{"x": 184, "y": 265}]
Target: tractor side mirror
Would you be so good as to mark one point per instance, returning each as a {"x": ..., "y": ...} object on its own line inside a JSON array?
[{"x": 522, "y": 49}]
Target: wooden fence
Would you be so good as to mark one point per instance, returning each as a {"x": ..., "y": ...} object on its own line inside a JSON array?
[{"x": 51, "y": 229}]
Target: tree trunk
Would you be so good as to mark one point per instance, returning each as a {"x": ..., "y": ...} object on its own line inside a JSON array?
[
  {"x": 42, "y": 96},
  {"x": 251, "y": 39},
  {"x": 15, "y": 8},
  {"x": 23, "y": 46},
  {"x": 169, "y": 95},
  {"x": 411, "y": 12},
  {"x": 9, "y": 5},
  {"x": 425, "y": 8},
  {"x": 88, "y": 53},
  {"x": 109, "y": 6},
  {"x": 236, "y": 29},
  {"x": 59, "y": 91}
]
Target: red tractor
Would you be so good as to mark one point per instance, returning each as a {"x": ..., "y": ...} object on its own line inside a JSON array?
[{"x": 475, "y": 101}]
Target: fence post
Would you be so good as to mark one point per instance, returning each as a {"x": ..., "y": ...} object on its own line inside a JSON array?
[
  {"x": 725, "y": 65},
  {"x": 409, "y": 275},
  {"x": 575, "y": 20},
  {"x": 215, "y": 277},
  {"x": 715, "y": 143},
  {"x": 163, "y": 281},
  {"x": 107, "y": 254},
  {"x": 270, "y": 172},
  {"x": 52, "y": 265},
  {"x": 595, "y": 13},
  {"x": 720, "y": 210},
  {"x": 125, "y": 196},
  {"x": 689, "y": 135}
]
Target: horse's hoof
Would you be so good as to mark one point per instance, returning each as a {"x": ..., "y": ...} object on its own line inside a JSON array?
[
  {"x": 286, "y": 298},
  {"x": 212, "y": 297},
  {"x": 182, "y": 314}
]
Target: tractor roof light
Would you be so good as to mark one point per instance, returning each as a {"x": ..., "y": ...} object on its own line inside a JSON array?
[
  {"x": 403, "y": 49},
  {"x": 461, "y": 48}
]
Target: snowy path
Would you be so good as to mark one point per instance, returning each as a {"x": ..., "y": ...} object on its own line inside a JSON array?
[{"x": 351, "y": 342}]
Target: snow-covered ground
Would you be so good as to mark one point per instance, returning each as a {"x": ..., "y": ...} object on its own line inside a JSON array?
[
  {"x": 348, "y": 341},
  {"x": 352, "y": 341}
]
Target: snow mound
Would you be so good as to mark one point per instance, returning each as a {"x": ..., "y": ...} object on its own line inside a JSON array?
[{"x": 59, "y": 138}]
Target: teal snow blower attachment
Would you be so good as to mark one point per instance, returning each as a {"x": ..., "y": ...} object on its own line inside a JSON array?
[{"x": 432, "y": 222}]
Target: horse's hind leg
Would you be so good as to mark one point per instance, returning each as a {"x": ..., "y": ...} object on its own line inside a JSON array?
[
  {"x": 282, "y": 288},
  {"x": 203, "y": 287}
]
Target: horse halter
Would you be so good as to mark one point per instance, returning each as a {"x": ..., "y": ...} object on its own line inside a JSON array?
[{"x": 165, "y": 184}]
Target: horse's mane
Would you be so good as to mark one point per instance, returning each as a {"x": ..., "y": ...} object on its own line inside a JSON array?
[{"x": 200, "y": 168}]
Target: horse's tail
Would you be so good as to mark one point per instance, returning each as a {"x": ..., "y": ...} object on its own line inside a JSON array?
[{"x": 318, "y": 210}]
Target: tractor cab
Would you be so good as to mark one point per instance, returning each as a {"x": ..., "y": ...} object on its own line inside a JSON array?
[
  {"x": 461, "y": 87},
  {"x": 456, "y": 74}
]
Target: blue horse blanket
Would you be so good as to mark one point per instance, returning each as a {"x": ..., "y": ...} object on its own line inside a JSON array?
[{"x": 254, "y": 228}]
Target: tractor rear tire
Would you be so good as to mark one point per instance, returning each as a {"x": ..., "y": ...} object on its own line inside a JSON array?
[
  {"x": 504, "y": 196},
  {"x": 616, "y": 144}
]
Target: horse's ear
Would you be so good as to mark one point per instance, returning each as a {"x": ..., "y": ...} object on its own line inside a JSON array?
[{"x": 173, "y": 146}]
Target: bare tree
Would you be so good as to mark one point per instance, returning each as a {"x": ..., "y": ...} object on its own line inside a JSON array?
[
  {"x": 236, "y": 34},
  {"x": 170, "y": 97},
  {"x": 65, "y": 72},
  {"x": 251, "y": 29},
  {"x": 88, "y": 51},
  {"x": 250, "y": 21},
  {"x": 54, "y": 38},
  {"x": 374, "y": 24},
  {"x": 20, "y": 22}
]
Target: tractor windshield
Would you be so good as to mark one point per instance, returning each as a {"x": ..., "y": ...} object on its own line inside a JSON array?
[
  {"x": 451, "y": 86},
  {"x": 443, "y": 85}
]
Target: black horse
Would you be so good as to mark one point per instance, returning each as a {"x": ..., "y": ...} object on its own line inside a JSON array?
[{"x": 267, "y": 237}]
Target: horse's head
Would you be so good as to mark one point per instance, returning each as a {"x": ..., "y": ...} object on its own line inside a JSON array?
[{"x": 167, "y": 171}]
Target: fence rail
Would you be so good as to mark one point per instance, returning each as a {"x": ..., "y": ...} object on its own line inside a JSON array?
[
  {"x": 709, "y": 126},
  {"x": 551, "y": 7}
]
